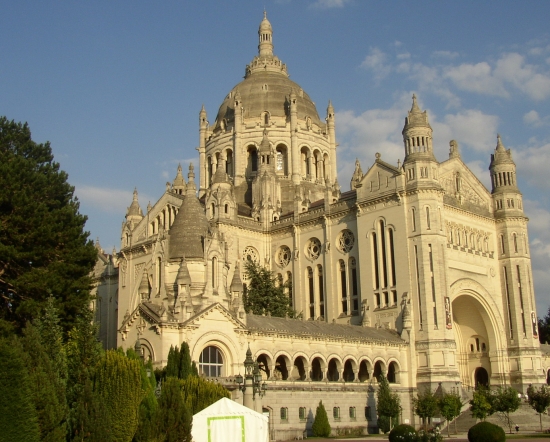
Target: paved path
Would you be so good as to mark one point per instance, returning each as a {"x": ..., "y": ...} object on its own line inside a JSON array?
[{"x": 453, "y": 438}]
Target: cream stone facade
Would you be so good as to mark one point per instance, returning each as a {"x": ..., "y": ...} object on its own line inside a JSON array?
[{"x": 417, "y": 271}]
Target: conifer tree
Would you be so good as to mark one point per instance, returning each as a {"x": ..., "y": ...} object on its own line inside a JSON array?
[
  {"x": 199, "y": 393},
  {"x": 87, "y": 416},
  {"x": 118, "y": 383},
  {"x": 321, "y": 426},
  {"x": 185, "y": 367},
  {"x": 43, "y": 246},
  {"x": 175, "y": 418},
  {"x": 18, "y": 417},
  {"x": 173, "y": 362},
  {"x": 148, "y": 409},
  {"x": 47, "y": 392}
]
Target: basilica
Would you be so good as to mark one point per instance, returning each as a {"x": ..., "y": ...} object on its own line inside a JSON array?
[{"x": 414, "y": 270}]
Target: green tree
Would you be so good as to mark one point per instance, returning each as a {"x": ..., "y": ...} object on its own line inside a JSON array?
[
  {"x": 480, "y": 404},
  {"x": 43, "y": 246},
  {"x": 47, "y": 390},
  {"x": 87, "y": 416},
  {"x": 425, "y": 406},
  {"x": 148, "y": 409},
  {"x": 199, "y": 393},
  {"x": 321, "y": 426},
  {"x": 505, "y": 401},
  {"x": 449, "y": 406},
  {"x": 544, "y": 328},
  {"x": 539, "y": 400},
  {"x": 175, "y": 418},
  {"x": 265, "y": 295},
  {"x": 119, "y": 385},
  {"x": 388, "y": 405},
  {"x": 18, "y": 417},
  {"x": 179, "y": 364}
]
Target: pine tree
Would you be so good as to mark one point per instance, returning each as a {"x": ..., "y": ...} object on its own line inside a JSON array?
[
  {"x": 388, "y": 405},
  {"x": 148, "y": 409},
  {"x": 118, "y": 383},
  {"x": 321, "y": 426},
  {"x": 47, "y": 392},
  {"x": 264, "y": 294},
  {"x": 87, "y": 416},
  {"x": 43, "y": 246},
  {"x": 185, "y": 367},
  {"x": 18, "y": 417},
  {"x": 173, "y": 362},
  {"x": 175, "y": 418},
  {"x": 199, "y": 393}
]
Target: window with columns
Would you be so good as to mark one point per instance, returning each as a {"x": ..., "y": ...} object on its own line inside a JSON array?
[{"x": 384, "y": 269}]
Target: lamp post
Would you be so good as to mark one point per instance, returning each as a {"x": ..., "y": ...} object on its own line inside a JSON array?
[{"x": 252, "y": 382}]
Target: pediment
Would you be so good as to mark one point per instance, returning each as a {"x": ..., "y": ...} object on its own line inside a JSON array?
[
  {"x": 461, "y": 184},
  {"x": 214, "y": 312}
]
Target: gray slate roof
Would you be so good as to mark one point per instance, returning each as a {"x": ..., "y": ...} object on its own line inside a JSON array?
[{"x": 320, "y": 329}]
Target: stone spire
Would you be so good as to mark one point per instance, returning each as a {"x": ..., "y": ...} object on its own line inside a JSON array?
[
  {"x": 134, "y": 213},
  {"x": 179, "y": 182},
  {"x": 190, "y": 225},
  {"x": 144, "y": 287},
  {"x": 183, "y": 277},
  {"x": 503, "y": 170},
  {"x": 265, "y": 33}
]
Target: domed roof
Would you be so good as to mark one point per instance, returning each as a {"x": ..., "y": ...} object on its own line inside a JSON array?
[
  {"x": 189, "y": 227},
  {"x": 266, "y": 87}
]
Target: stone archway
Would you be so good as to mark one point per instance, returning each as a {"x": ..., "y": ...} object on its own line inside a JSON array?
[
  {"x": 476, "y": 339},
  {"x": 481, "y": 377}
]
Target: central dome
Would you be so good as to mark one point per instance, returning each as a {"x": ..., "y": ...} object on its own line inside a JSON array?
[{"x": 266, "y": 88}]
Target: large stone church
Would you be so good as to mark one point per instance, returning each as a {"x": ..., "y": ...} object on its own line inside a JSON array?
[{"x": 417, "y": 271}]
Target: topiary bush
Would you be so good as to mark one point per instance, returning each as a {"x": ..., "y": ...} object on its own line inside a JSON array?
[
  {"x": 403, "y": 433},
  {"x": 486, "y": 432},
  {"x": 321, "y": 426}
]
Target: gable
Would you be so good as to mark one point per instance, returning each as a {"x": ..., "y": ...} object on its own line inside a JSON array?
[
  {"x": 462, "y": 188},
  {"x": 380, "y": 179}
]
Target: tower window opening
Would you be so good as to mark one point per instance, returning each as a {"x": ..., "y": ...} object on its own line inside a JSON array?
[
  {"x": 343, "y": 287},
  {"x": 311, "y": 293}
]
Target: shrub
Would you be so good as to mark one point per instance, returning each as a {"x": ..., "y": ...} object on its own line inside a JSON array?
[
  {"x": 321, "y": 426},
  {"x": 486, "y": 432},
  {"x": 403, "y": 433}
]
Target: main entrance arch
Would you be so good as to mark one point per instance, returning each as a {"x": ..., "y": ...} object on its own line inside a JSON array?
[{"x": 477, "y": 340}]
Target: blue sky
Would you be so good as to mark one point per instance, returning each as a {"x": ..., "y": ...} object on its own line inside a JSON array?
[{"x": 116, "y": 86}]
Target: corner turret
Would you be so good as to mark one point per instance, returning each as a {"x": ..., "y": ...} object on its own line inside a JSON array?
[{"x": 506, "y": 195}]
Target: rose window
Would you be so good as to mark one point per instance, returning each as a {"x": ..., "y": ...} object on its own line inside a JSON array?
[
  {"x": 313, "y": 248},
  {"x": 345, "y": 241},
  {"x": 251, "y": 254},
  {"x": 283, "y": 256}
]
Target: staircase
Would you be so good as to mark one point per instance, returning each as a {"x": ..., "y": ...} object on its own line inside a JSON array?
[{"x": 524, "y": 416}]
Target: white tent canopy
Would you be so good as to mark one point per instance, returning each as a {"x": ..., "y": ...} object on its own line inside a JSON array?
[{"x": 228, "y": 421}]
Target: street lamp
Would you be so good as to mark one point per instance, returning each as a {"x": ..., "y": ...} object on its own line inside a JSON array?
[{"x": 251, "y": 385}]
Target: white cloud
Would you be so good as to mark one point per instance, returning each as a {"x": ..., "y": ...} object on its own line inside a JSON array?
[
  {"x": 108, "y": 200},
  {"x": 532, "y": 118},
  {"x": 445, "y": 54},
  {"x": 477, "y": 78},
  {"x": 470, "y": 127},
  {"x": 329, "y": 4},
  {"x": 532, "y": 165},
  {"x": 376, "y": 62}
]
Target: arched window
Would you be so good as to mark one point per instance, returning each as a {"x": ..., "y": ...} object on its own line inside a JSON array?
[
  {"x": 515, "y": 238},
  {"x": 211, "y": 362},
  {"x": 413, "y": 219},
  {"x": 252, "y": 163},
  {"x": 159, "y": 273},
  {"x": 428, "y": 224},
  {"x": 353, "y": 284},
  {"x": 343, "y": 286},
  {"x": 214, "y": 272},
  {"x": 311, "y": 293},
  {"x": 321, "y": 290}
]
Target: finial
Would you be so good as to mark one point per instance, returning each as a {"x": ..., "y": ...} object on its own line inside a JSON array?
[
  {"x": 135, "y": 198},
  {"x": 500, "y": 146},
  {"x": 415, "y": 104}
]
